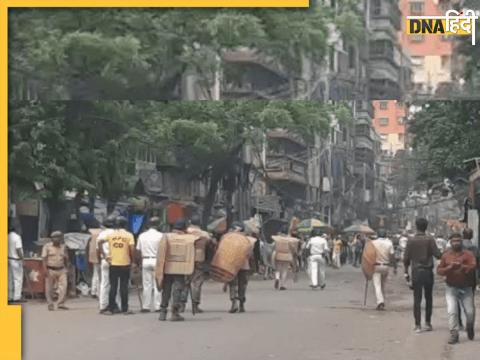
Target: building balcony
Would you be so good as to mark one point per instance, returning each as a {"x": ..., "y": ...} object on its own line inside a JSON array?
[
  {"x": 364, "y": 155},
  {"x": 388, "y": 10},
  {"x": 286, "y": 168},
  {"x": 248, "y": 91},
  {"x": 252, "y": 56},
  {"x": 364, "y": 141},
  {"x": 385, "y": 89},
  {"x": 287, "y": 135},
  {"x": 365, "y": 109}
]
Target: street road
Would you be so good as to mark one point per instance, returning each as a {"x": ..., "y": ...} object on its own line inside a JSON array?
[{"x": 299, "y": 323}]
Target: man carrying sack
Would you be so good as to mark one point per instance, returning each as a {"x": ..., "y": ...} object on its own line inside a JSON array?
[
  {"x": 238, "y": 286},
  {"x": 55, "y": 263},
  {"x": 175, "y": 261},
  {"x": 194, "y": 283}
]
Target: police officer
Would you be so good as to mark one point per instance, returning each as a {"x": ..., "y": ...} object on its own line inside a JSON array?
[
  {"x": 238, "y": 286},
  {"x": 121, "y": 255},
  {"x": 173, "y": 284},
  {"x": 195, "y": 281},
  {"x": 55, "y": 262}
]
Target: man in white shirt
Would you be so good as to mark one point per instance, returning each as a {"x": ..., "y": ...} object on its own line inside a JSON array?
[
  {"x": 147, "y": 246},
  {"x": 385, "y": 258},
  {"x": 109, "y": 224},
  {"x": 402, "y": 242},
  {"x": 15, "y": 265},
  {"x": 318, "y": 246}
]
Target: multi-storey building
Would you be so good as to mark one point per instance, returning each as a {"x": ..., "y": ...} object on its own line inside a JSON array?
[
  {"x": 431, "y": 55},
  {"x": 389, "y": 122},
  {"x": 389, "y": 67}
]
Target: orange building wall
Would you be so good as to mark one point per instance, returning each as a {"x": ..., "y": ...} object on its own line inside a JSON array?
[
  {"x": 432, "y": 44},
  {"x": 391, "y": 141},
  {"x": 393, "y": 112}
]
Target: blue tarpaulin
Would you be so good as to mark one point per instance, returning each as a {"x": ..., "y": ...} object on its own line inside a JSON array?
[{"x": 135, "y": 222}]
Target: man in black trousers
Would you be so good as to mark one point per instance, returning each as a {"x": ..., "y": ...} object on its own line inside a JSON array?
[{"x": 419, "y": 254}]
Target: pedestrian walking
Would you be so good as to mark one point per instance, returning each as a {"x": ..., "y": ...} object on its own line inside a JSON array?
[
  {"x": 337, "y": 252},
  {"x": 195, "y": 282},
  {"x": 467, "y": 245},
  {"x": 402, "y": 243},
  {"x": 121, "y": 245},
  {"x": 357, "y": 246},
  {"x": 458, "y": 266},
  {"x": 147, "y": 247},
  {"x": 419, "y": 254},
  {"x": 95, "y": 261},
  {"x": 55, "y": 263},
  {"x": 318, "y": 248},
  {"x": 285, "y": 256},
  {"x": 15, "y": 265},
  {"x": 385, "y": 257},
  {"x": 103, "y": 252}
]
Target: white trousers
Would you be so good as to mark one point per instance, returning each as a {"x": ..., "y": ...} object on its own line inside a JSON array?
[
  {"x": 317, "y": 266},
  {"x": 15, "y": 279},
  {"x": 281, "y": 271},
  {"x": 94, "y": 289},
  {"x": 105, "y": 285},
  {"x": 379, "y": 279},
  {"x": 336, "y": 260},
  {"x": 149, "y": 284}
]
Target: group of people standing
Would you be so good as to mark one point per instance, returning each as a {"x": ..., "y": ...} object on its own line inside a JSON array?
[
  {"x": 113, "y": 253},
  {"x": 458, "y": 263}
]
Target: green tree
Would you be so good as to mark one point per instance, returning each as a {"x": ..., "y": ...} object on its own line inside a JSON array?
[
  {"x": 143, "y": 53},
  {"x": 207, "y": 138},
  {"x": 445, "y": 134}
]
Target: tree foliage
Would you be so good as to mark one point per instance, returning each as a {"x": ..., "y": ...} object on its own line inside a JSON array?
[
  {"x": 91, "y": 145},
  {"x": 445, "y": 134},
  {"x": 142, "y": 53}
]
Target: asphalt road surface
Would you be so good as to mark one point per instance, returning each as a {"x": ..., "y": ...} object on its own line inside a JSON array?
[{"x": 299, "y": 323}]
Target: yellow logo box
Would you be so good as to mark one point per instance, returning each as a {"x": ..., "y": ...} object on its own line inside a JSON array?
[{"x": 435, "y": 27}]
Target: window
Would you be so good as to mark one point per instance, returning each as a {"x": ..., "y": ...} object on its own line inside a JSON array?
[
  {"x": 383, "y": 121},
  {"x": 399, "y": 104},
  {"x": 445, "y": 62},
  {"x": 332, "y": 58},
  {"x": 383, "y": 105},
  {"x": 401, "y": 138},
  {"x": 418, "y": 61},
  {"x": 416, "y": 8},
  {"x": 377, "y": 7},
  {"x": 417, "y": 38},
  {"x": 351, "y": 57},
  {"x": 400, "y": 120}
]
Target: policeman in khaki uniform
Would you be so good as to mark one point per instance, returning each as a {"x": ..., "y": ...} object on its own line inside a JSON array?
[
  {"x": 55, "y": 262},
  {"x": 238, "y": 286},
  {"x": 194, "y": 283},
  {"x": 172, "y": 285}
]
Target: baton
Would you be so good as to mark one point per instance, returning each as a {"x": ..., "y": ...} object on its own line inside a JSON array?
[{"x": 366, "y": 292}]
